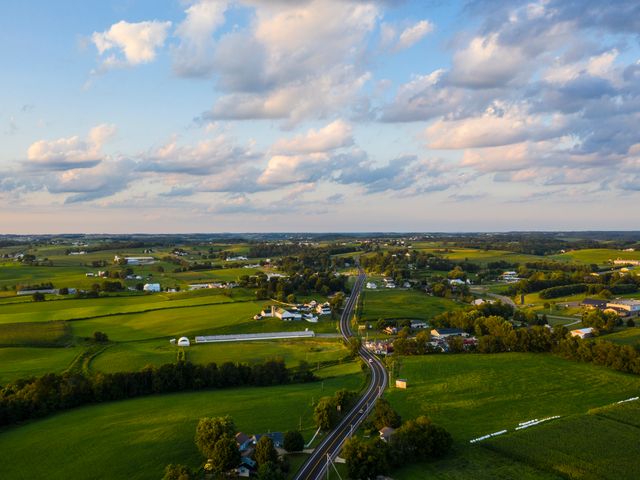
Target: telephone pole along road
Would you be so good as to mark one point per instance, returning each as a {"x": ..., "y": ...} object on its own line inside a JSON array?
[{"x": 316, "y": 465}]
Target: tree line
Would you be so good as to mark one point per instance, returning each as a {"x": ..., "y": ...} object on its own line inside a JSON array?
[{"x": 40, "y": 396}]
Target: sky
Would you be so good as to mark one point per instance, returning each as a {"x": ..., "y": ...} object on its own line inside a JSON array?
[{"x": 123, "y": 116}]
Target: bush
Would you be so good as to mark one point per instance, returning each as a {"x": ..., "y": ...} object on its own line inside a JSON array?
[{"x": 293, "y": 441}]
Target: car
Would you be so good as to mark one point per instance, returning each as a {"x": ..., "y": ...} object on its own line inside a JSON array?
[{"x": 371, "y": 360}]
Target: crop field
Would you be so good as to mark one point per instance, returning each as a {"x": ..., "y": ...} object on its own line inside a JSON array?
[
  {"x": 126, "y": 439},
  {"x": 402, "y": 304},
  {"x": 473, "y": 395},
  {"x": 627, "y": 412},
  {"x": 135, "y": 355},
  {"x": 580, "y": 446},
  {"x": 599, "y": 256}
]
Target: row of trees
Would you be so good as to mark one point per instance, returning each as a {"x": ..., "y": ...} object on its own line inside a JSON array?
[
  {"x": 40, "y": 396},
  {"x": 307, "y": 282}
]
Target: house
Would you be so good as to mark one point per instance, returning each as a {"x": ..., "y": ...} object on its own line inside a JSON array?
[
  {"x": 418, "y": 325},
  {"x": 582, "y": 332},
  {"x": 151, "y": 287},
  {"x": 457, "y": 281},
  {"x": 401, "y": 383},
  {"x": 386, "y": 433},
  {"x": 371, "y": 285},
  {"x": 243, "y": 441},
  {"x": 594, "y": 303},
  {"x": 629, "y": 306},
  {"x": 509, "y": 277},
  {"x": 390, "y": 285},
  {"x": 276, "y": 437},
  {"x": 379, "y": 347},
  {"x": 443, "y": 333},
  {"x": 390, "y": 330},
  {"x": 324, "y": 309}
]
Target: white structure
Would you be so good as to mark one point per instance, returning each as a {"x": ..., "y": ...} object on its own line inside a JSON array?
[
  {"x": 620, "y": 261},
  {"x": 135, "y": 260},
  {"x": 630, "y": 305},
  {"x": 151, "y": 287},
  {"x": 253, "y": 336},
  {"x": 183, "y": 342},
  {"x": 239, "y": 258},
  {"x": 582, "y": 332},
  {"x": 371, "y": 285},
  {"x": 324, "y": 309},
  {"x": 286, "y": 315}
]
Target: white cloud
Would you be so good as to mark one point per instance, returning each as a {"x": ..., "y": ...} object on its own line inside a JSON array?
[
  {"x": 194, "y": 56},
  {"x": 412, "y": 35},
  {"x": 71, "y": 152},
  {"x": 337, "y": 134},
  {"x": 137, "y": 42}
]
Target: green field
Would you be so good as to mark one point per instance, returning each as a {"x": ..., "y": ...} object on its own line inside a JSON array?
[
  {"x": 473, "y": 395},
  {"x": 24, "y": 362},
  {"x": 578, "y": 447},
  {"x": 49, "y": 334},
  {"x": 135, "y": 439},
  {"x": 626, "y": 336},
  {"x": 135, "y": 355},
  {"x": 412, "y": 304},
  {"x": 599, "y": 256}
]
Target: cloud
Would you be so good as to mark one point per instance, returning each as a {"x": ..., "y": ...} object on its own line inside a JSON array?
[
  {"x": 70, "y": 152},
  {"x": 335, "y": 135},
  {"x": 412, "y": 35},
  {"x": 193, "y": 56},
  {"x": 136, "y": 42}
]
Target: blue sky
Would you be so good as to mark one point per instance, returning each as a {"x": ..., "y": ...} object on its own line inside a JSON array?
[{"x": 319, "y": 115}]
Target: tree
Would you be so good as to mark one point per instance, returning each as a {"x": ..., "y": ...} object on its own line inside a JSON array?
[
  {"x": 265, "y": 451},
  {"x": 64, "y": 291},
  {"x": 366, "y": 459},
  {"x": 100, "y": 337},
  {"x": 210, "y": 430},
  {"x": 385, "y": 416},
  {"x": 291, "y": 298},
  {"x": 225, "y": 454},
  {"x": 293, "y": 441},
  {"x": 326, "y": 413},
  {"x": 177, "y": 472},
  {"x": 354, "y": 345},
  {"x": 631, "y": 323},
  {"x": 270, "y": 471},
  {"x": 37, "y": 297}
]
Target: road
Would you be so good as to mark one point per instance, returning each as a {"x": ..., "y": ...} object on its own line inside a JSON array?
[{"x": 316, "y": 465}]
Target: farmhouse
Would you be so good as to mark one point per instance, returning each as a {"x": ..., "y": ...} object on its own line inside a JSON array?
[
  {"x": 443, "y": 333},
  {"x": 379, "y": 347},
  {"x": 582, "y": 332},
  {"x": 151, "y": 287}
]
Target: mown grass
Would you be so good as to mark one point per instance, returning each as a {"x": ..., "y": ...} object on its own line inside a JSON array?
[
  {"x": 626, "y": 336},
  {"x": 588, "y": 447},
  {"x": 135, "y": 439},
  {"x": 627, "y": 412},
  {"x": 135, "y": 355},
  {"x": 24, "y": 362},
  {"x": 42, "y": 334},
  {"x": 378, "y": 304}
]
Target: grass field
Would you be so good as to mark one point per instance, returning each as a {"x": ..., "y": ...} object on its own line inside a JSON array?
[
  {"x": 472, "y": 395},
  {"x": 23, "y": 362},
  {"x": 599, "y": 256},
  {"x": 135, "y": 355},
  {"x": 43, "y": 334},
  {"x": 402, "y": 304},
  {"x": 135, "y": 439},
  {"x": 579, "y": 447},
  {"x": 626, "y": 336}
]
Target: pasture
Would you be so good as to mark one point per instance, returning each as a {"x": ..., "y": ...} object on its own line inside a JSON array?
[
  {"x": 598, "y": 256},
  {"x": 625, "y": 336},
  {"x": 411, "y": 304},
  {"x": 34, "y": 334},
  {"x": 24, "y": 362},
  {"x": 136, "y": 438}
]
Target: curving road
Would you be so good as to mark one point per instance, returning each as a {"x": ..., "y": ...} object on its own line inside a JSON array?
[{"x": 316, "y": 465}]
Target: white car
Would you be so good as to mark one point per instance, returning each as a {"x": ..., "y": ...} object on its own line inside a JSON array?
[{"x": 371, "y": 360}]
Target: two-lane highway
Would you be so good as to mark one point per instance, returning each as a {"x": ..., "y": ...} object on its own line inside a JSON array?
[{"x": 315, "y": 467}]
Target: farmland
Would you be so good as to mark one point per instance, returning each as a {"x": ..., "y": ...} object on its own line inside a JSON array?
[
  {"x": 137, "y": 438},
  {"x": 598, "y": 256},
  {"x": 472, "y": 395},
  {"x": 402, "y": 304}
]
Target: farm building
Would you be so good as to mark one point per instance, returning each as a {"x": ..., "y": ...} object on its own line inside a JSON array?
[
  {"x": 371, "y": 285},
  {"x": 151, "y": 287},
  {"x": 135, "y": 260},
  {"x": 594, "y": 303},
  {"x": 184, "y": 342},
  {"x": 630, "y": 306},
  {"x": 442, "y": 333},
  {"x": 401, "y": 383}
]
